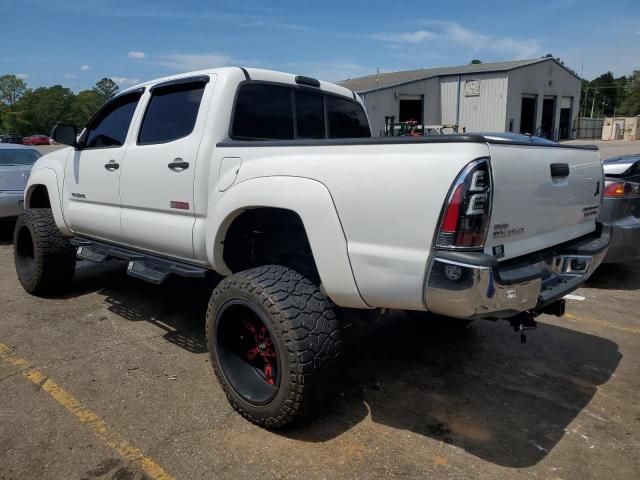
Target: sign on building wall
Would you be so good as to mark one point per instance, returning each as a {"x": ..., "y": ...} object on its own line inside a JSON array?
[{"x": 472, "y": 88}]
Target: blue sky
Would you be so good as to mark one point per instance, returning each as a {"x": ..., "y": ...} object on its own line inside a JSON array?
[{"x": 75, "y": 43}]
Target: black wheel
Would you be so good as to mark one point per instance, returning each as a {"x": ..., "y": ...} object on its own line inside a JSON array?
[
  {"x": 274, "y": 343},
  {"x": 45, "y": 260}
]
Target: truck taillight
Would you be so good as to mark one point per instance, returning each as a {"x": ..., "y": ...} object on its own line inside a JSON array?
[
  {"x": 465, "y": 216},
  {"x": 621, "y": 189}
]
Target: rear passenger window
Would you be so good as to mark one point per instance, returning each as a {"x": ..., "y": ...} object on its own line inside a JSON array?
[
  {"x": 309, "y": 115},
  {"x": 346, "y": 119},
  {"x": 108, "y": 129},
  {"x": 263, "y": 112},
  {"x": 282, "y": 112},
  {"x": 171, "y": 113}
]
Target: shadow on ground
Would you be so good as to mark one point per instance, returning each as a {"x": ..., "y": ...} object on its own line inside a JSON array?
[
  {"x": 178, "y": 306},
  {"x": 6, "y": 231},
  {"x": 477, "y": 388},
  {"x": 616, "y": 276}
]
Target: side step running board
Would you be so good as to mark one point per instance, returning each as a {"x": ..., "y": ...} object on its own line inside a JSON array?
[{"x": 143, "y": 266}]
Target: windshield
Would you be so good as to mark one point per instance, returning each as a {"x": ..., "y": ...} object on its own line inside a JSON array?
[{"x": 16, "y": 156}]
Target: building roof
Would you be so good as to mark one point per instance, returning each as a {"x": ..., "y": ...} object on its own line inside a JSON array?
[{"x": 392, "y": 79}]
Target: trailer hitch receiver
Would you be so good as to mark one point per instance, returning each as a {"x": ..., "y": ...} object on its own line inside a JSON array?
[{"x": 522, "y": 322}]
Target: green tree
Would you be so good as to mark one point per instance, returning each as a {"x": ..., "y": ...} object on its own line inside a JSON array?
[
  {"x": 43, "y": 107},
  {"x": 630, "y": 105},
  {"x": 475, "y": 61},
  {"x": 83, "y": 106},
  {"x": 604, "y": 94},
  {"x": 12, "y": 89},
  {"x": 106, "y": 89}
]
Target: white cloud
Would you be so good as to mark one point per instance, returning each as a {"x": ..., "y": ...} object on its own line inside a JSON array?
[
  {"x": 407, "y": 37},
  {"x": 479, "y": 41},
  {"x": 192, "y": 61},
  {"x": 275, "y": 24},
  {"x": 85, "y": 68},
  {"x": 136, "y": 54},
  {"x": 124, "y": 81},
  {"x": 22, "y": 76},
  {"x": 69, "y": 76},
  {"x": 452, "y": 33}
]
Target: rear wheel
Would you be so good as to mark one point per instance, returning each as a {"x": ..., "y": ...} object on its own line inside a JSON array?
[
  {"x": 274, "y": 343},
  {"x": 45, "y": 260}
]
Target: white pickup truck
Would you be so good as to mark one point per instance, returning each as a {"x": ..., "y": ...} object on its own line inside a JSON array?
[{"x": 272, "y": 180}]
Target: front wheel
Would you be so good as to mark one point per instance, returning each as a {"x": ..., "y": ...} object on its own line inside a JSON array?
[
  {"x": 45, "y": 259},
  {"x": 274, "y": 343}
]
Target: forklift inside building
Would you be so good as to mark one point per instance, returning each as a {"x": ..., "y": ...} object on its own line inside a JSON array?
[{"x": 411, "y": 109}]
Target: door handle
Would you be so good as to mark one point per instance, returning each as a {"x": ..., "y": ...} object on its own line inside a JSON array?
[
  {"x": 112, "y": 165},
  {"x": 178, "y": 165}
]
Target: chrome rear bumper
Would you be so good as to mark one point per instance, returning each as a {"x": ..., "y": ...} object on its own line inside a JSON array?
[{"x": 475, "y": 285}]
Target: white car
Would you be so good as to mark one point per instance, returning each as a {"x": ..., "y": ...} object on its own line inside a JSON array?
[{"x": 272, "y": 180}]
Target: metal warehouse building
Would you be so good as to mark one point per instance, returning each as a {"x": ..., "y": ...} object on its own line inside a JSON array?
[{"x": 538, "y": 96}]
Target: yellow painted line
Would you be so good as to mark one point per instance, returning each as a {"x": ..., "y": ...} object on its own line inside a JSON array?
[
  {"x": 86, "y": 416},
  {"x": 602, "y": 323}
]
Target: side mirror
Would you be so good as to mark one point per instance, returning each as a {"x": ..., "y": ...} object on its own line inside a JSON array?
[{"x": 64, "y": 133}]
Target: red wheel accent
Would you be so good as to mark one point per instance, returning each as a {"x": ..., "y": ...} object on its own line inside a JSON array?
[
  {"x": 268, "y": 373},
  {"x": 261, "y": 352}
]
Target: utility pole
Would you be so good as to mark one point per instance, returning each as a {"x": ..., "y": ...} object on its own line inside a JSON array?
[
  {"x": 593, "y": 102},
  {"x": 584, "y": 101}
]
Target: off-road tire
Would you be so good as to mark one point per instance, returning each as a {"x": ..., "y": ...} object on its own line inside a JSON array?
[
  {"x": 45, "y": 260},
  {"x": 305, "y": 332}
]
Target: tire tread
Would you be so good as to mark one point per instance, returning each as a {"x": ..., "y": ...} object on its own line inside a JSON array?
[
  {"x": 54, "y": 254},
  {"x": 310, "y": 330}
]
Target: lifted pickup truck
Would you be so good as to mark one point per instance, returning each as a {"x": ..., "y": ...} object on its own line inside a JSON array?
[{"x": 273, "y": 181}]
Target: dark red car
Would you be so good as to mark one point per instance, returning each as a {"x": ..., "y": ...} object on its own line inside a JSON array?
[{"x": 37, "y": 140}]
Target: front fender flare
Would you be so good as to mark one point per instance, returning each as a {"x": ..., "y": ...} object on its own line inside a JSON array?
[
  {"x": 48, "y": 178},
  {"x": 312, "y": 202}
]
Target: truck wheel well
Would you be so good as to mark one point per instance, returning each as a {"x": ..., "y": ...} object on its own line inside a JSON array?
[
  {"x": 39, "y": 197},
  {"x": 265, "y": 236}
]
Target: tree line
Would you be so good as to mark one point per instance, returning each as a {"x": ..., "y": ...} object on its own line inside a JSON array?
[
  {"x": 606, "y": 96},
  {"x": 35, "y": 111}
]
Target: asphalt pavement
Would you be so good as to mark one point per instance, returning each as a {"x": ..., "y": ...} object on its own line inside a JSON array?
[{"x": 113, "y": 382}]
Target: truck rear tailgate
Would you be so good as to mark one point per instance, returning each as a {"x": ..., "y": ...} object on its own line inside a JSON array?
[{"x": 542, "y": 196}]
